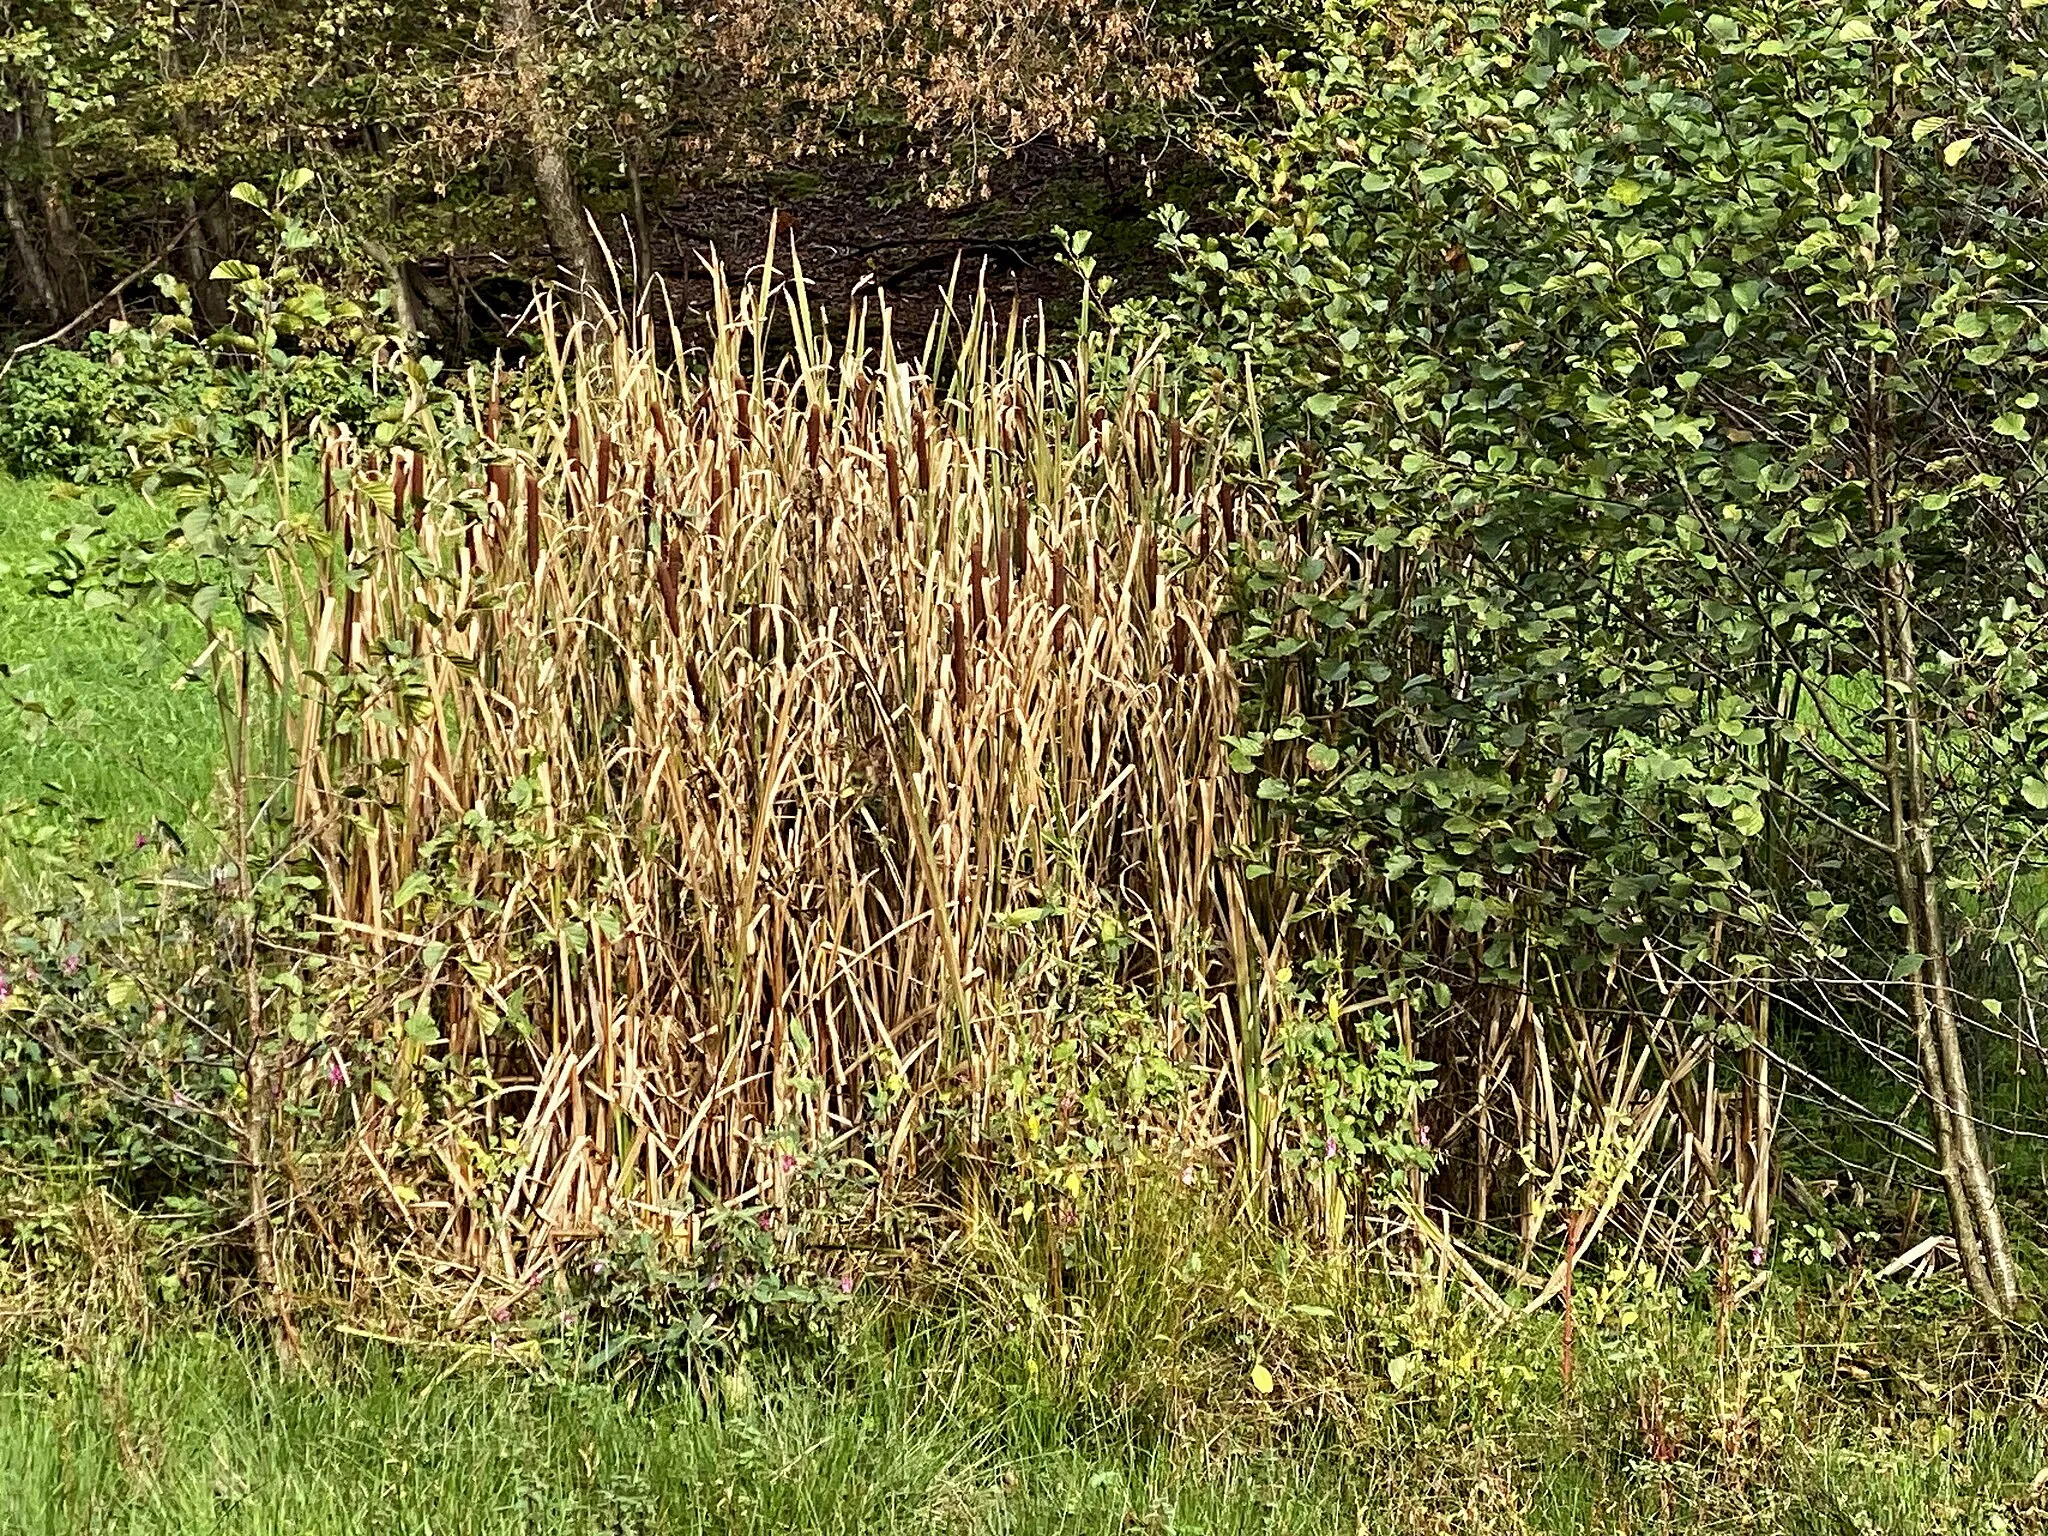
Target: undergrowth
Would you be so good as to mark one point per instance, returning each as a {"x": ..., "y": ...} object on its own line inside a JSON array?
[{"x": 1184, "y": 1377}]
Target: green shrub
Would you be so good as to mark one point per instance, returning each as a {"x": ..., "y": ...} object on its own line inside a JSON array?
[
  {"x": 68, "y": 413},
  {"x": 56, "y": 410}
]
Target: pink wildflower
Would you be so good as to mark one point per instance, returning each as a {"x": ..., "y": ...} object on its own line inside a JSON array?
[
  {"x": 336, "y": 1074},
  {"x": 846, "y": 1285},
  {"x": 71, "y": 963}
]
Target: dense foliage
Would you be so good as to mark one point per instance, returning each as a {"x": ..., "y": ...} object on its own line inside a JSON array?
[
  {"x": 505, "y": 127},
  {"x": 1658, "y": 383}
]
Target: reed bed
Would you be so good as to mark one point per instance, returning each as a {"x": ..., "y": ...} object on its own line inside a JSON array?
[{"x": 735, "y": 756}]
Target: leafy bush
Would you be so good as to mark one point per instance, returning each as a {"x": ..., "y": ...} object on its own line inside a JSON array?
[
  {"x": 66, "y": 413},
  {"x": 114, "y": 982},
  {"x": 292, "y": 355},
  {"x": 1654, "y": 394},
  {"x": 58, "y": 409}
]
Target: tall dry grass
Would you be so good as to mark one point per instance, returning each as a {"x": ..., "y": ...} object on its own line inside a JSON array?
[{"x": 738, "y": 752}]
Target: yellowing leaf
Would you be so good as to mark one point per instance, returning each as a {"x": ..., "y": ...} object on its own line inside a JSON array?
[
  {"x": 1956, "y": 150},
  {"x": 1262, "y": 1380}
]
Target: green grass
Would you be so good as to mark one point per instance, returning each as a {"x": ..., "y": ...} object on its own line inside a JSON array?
[
  {"x": 93, "y": 724},
  {"x": 198, "y": 1436},
  {"x": 931, "y": 1432}
]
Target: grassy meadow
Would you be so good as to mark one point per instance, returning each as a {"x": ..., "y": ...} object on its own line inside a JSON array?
[
  {"x": 932, "y": 1429},
  {"x": 100, "y": 735}
]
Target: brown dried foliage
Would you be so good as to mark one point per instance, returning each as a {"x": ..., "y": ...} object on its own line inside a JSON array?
[{"x": 818, "y": 674}]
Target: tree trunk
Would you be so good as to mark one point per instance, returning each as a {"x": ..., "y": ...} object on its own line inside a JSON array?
[
  {"x": 547, "y": 153},
  {"x": 1980, "y": 1235},
  {"x": 28, "y": 250},
  {"x": 1979, "y": 1226},
  {"x": 35, "y": 277},
  {"x": 643, "y": 232},
  {"x": 210, "y": 310},
  {"x": 62, "y": 255}
]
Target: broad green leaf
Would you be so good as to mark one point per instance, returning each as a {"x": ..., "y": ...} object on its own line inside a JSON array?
[{"x": 411, "y": 889}]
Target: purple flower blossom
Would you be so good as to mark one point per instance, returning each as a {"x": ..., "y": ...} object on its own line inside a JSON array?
[
  {"x": 1329, "y": 1146},
  {"x": 846, "y": 1285},
  {"x": 335, "y": 1072},
  {"x": 71, "y": 963},
  {"x": 1756, "y": 1256},
  {"x": 1421, "y": 1134},
  {"x": 788, "y": 1161},
  {"x": 767, "y": 1220},
  {"x": 6, "y": 991},
  {"x": 142, "y": 839}
]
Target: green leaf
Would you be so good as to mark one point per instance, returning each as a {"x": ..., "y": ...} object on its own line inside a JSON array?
[
  {"x": 2035, "y": 793},
  {"x": 1747, "y": 819},
  {"x": 1323, "y": 758},
  {"x": 1956, "y": 150},
  {"x": 2013, "y": 425},
  {"x": 1906, "y": 965},
  {"x": 1321, "y": 405},
  {"x": 414, "y": 886}
]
